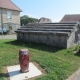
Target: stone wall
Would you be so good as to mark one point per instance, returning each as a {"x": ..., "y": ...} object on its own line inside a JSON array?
[
  {"x": 53, "y": 39},
  {"x": 71, "y": 40}
]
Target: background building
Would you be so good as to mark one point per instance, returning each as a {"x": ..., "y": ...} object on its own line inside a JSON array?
[
  {"x": 71, "y": 18},
  {"x": 9, "y": 15}
]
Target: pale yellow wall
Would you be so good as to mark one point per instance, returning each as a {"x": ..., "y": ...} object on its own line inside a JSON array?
[{"x": 15, "y": 16}]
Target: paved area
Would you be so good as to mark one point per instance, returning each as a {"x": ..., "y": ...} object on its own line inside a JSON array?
[
  {"x": 14, "y": 72},
  {"x": 75, "y": 76},
  {"x": 13, "y": 36}
]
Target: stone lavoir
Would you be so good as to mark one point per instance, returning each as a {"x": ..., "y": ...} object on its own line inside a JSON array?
[{"x": 61, "y": 35}]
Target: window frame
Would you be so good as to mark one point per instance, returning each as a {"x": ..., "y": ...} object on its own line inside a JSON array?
[{"x": 9, "y": 15}]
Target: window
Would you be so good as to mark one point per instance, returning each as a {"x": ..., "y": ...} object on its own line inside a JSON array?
[{"x": 9, "y": 15}]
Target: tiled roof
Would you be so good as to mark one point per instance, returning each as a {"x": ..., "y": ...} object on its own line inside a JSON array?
[
  {"x": 8, "y": 4},
  {"x": 71, "y": 18}
]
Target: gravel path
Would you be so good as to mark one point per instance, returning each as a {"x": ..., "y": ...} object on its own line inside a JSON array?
[{"x": 13, "y": 36}]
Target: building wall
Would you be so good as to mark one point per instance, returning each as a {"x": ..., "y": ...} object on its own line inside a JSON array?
[{"x": 15, "y": 17}]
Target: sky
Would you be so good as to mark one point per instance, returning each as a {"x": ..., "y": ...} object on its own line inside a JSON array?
[{"x": 52, "y": 9}]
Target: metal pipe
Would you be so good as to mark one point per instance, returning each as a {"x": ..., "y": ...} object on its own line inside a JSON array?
[{"x": 2, "y": 22}]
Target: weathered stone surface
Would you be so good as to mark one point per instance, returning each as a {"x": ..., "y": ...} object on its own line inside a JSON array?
[{"x": 63, "y": 36}]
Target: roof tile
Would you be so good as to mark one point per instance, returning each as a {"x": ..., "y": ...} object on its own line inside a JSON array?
[
  {"x": 8, "y": 4},
  {"x": 71, "y": 18}
]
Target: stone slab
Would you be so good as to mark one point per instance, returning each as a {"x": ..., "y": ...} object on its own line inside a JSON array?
[{"x": 14, "y": 72}]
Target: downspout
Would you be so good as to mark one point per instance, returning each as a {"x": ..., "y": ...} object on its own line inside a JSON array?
[{"x": 2, "y": 22}]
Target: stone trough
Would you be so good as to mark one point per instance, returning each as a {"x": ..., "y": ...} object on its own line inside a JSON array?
[{"x": 61, "y": 35}]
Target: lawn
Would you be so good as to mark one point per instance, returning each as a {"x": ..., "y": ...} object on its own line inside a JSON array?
[{"x": 58, "y": 63}]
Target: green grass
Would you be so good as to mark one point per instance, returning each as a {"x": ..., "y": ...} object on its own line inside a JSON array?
[{"x": 58, "y": 63}]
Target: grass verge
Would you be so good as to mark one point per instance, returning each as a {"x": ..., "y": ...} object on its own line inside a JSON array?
[{"x": 58, "y": 63}]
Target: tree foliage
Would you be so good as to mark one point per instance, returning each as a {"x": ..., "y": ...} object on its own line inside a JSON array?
[{"x": 26, "y": 19}]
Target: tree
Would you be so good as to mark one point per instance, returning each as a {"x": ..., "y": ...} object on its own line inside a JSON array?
[{"x": 26, "y": 19}]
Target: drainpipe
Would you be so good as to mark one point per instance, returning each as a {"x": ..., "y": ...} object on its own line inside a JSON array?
[{"x": 2, "y": 22}]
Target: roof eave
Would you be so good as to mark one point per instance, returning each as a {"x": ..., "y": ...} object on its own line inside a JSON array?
[{"x": 12, "y": 9}]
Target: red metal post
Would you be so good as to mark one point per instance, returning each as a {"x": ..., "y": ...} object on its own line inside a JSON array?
[{"x": 24, "y": 60}]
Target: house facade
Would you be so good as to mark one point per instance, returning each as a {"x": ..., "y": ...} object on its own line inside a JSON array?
[{"x": 9, "y": 15}]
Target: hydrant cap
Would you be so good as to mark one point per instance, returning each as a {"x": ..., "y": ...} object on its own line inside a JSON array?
[{"x": 23, "y": 49}]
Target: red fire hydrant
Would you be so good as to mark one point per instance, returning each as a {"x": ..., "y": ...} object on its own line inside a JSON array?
[{"x": 24, "y": 60}]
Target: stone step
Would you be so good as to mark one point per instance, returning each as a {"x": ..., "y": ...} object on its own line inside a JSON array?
[
  {"x": 51, "y": 24},
  {"x": 44, "y": 32},
  {"x": 51, "y": 27},
  {"x": 30, "y": 29}
]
